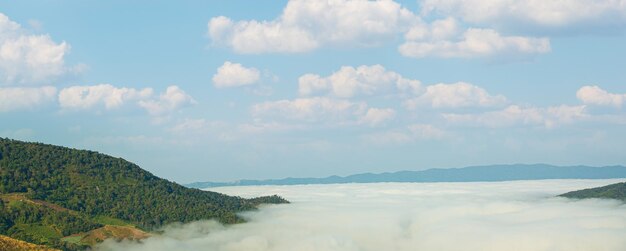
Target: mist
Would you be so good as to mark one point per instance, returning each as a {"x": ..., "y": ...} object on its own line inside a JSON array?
[{"x": 519, "y": 215}]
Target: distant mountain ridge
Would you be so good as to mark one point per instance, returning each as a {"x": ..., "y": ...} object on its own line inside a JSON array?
[{"x": 466, "y": 174}]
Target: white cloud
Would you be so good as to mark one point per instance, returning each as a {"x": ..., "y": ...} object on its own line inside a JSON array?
[
  {"x": 475, "y": 43},
  {"x": 363, "y": 80},
  {"x": 19, "y": 98},
  {"x": 594, "y": 95},
  {"x": 317, "y": 109},
  {"x": 550, "y": 14},
  {"x": 305, "y": 25},
  {"x": 260, "y": 37},
  {"x": 111, "y": 97},
  {"x": 455, "y": 95},
  {"x": 521, "y": 116},
  {"x": 377, "y": 116},
  {"x": 489, "y": 216},
  {"x": 233, "y": 75},
  {"x": 29, "y": 59},
  {"x": 173, "y": 99},
  {"x": 438, "y": 30}
]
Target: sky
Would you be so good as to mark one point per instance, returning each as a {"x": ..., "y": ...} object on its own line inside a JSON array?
[
  {"x": 490, "y": 216},
  {"x": 228, "y": 90}
]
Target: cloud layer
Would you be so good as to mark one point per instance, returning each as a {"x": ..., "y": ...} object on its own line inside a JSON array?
[
  {"x": 521, "y": 215},
  {"x": 476, "y": 42},
  {"x": 306, "y": 25},
  {"x": 364, "y": 80},
  {"x": 110, "y": 97},
  {"x": 570, "y": 14},
  {"x": 456, "y": 95},
  {"x": 515, "y": 115}
]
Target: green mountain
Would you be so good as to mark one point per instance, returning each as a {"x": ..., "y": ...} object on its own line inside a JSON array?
[
  {"x": 614, "y": 191},
  {"x": 56, "y": 196}
]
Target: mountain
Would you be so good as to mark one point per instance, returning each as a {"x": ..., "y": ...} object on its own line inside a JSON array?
[
  {"x": 70, "y": 199},
  {"x": 614, "y": 191},
  {"x": 466, "y": 174}
]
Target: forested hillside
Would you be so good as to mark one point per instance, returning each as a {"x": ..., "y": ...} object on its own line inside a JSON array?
[
  {"x": 49, "y": 192},
  {"x": 614, "y": 191}
]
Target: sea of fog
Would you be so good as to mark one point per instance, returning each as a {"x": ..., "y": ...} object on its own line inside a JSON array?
[{"x": 503, "y": 216}]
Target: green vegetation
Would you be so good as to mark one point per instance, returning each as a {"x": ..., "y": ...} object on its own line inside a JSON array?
[
  {"x": 48, "y": 192},
  {"x": 34, "y": 222},
  {"x": 105, "y": 220},
  {"x": 614, "y": 191},
  {"x": 73, "y": 239},
  {"x": 10, "y": 244}
]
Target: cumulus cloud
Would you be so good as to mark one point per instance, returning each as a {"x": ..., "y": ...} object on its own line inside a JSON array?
[
  {"x": 173, "y": 99},
  {"x": 455, "y": 95},
  {"x": 438, "y": 30},
  {"x": 233, "y": 75},
  {"x": 362, "y": 80},
  {"x": 515, "y": 115},
  {"x": 28, "y": 58},
  {"x": 19, "y": 98},
  {"x": 109, "y": 96},
  {"x": 521, "y": 215},
  {"x": 594, "y": 95},
  {"x": 547, "y": 14},
  {"x": 305, "y": 25},
  {"x": 475, "y": 42}
]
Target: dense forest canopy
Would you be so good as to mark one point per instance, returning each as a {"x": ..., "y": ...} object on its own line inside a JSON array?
[
  {"x": 613, "y": 191},
  {"x": 79, "y": 185}
]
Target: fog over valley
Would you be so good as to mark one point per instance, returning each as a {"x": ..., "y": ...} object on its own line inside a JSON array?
[
  {"x": 518, "y": 215},
  {"x": 313, "y": 125}
]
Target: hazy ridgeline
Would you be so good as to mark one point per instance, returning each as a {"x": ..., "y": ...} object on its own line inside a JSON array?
[{"x": 520, "y": 215}]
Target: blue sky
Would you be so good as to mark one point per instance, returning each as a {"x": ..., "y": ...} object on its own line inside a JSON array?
[{"x": 208, "y": 90}]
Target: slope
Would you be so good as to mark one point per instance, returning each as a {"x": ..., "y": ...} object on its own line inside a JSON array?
[
  {"x": 613, "y": 191},
  {"x": 10, "y": 244},
  {"x": 50, "y": 192}
]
